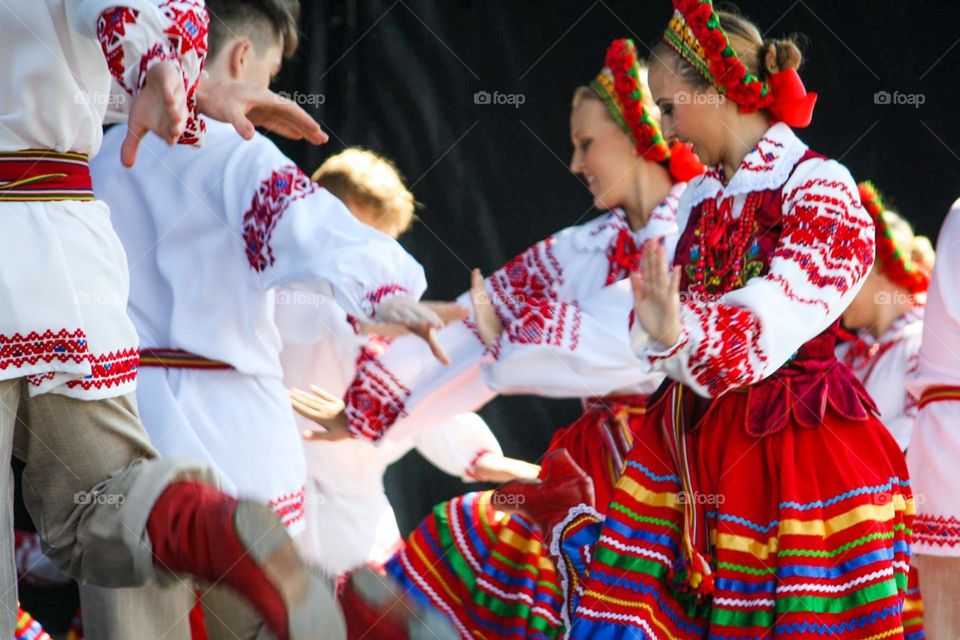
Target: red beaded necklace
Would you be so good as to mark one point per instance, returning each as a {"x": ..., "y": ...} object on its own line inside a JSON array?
[{"x": 720, "y": 251}]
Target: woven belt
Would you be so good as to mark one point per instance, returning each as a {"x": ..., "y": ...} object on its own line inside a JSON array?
[
  {"x": 178, "y": 359},
  {"x": 939, "y": 393},
  {"x": 37, "y": 175}
]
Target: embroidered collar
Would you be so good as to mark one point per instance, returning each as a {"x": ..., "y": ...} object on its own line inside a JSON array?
[
  {"x": 602, "y": 232},
  {"x": 767, "y": 166}
]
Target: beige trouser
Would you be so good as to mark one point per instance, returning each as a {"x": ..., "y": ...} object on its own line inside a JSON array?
[
  {"x": 155, "y": 612},
  {"x": 940, "y": 590},
  {"x": 90, "y": 482}
]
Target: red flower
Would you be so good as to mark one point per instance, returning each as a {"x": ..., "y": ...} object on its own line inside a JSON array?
[
  {"x": 713, "y": 42},
  {"x": 697, "y": 19}
]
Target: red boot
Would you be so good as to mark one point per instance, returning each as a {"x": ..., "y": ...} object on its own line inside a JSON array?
[
  {"x": 561, "y": 486},
  {"x": 198, "y": 530},
  {"x": 375, "y": 606}
]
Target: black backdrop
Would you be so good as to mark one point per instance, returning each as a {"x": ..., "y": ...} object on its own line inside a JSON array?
[{"x": 400, "y": 77}]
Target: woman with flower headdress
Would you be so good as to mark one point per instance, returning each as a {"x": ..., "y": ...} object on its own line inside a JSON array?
[
  {"x": 500, "y": 580},
  {"x": 768, "y": 499}
]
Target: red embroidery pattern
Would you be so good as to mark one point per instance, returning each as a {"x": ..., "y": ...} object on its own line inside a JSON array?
[
  {"x": 111, "y": 31},
  {"x": 289, "y": 506},
  {"x": 375, "y": 398},
  {"x": 769, "y": 157},
  {"x": 730, "y": 354},
  {"x": 525, "y": 297},
  {"x": 376, "y": 297},
  {"x": 273, "y": 196},
  {"x": 183, "y": 41},
  {"x": 936, "y": 531},
  {"x": 110, "y": 370},
  {"x": 63, "y": 346}
]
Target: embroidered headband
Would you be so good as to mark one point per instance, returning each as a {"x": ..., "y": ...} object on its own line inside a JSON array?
[
  {"x": 620, "y": 86},
  {"x": 892, "y": 261},
  {"x": 694, "y": 32}
]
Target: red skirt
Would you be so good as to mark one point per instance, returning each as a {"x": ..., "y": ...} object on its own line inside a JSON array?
[
  {"x": 800, "y": 533},
  {"x": 491, "y": 574}
]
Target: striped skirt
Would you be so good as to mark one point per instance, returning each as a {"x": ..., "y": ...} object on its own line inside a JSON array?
[{"x": 805, "y": 533}]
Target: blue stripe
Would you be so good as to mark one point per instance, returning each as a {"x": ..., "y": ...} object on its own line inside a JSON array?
[
  {"x": 836, "y": 571},
  {"x": 650, "y": 474},
  {"x": 628, "y": 531},
  {"x": 880, "y": 488}
]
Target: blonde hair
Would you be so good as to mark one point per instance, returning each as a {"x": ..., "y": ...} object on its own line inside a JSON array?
[
  {"x": 918, "y": 248},
  {"x": 361, "y": 177}
]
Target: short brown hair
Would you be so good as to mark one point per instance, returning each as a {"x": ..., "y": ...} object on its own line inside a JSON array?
[
  {"x": 358, "y": 176},
  {"x": 254, "y": 19}
]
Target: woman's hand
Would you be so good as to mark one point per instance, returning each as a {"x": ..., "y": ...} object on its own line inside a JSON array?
[
  {"x": 417, "y": 318},
  {"x": 656, "y": 295},
  {"x": 488, "y": 323},
  {"x": 324, "y": 409}
]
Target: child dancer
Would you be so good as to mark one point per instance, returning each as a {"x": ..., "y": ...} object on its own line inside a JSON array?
[{"x": 349, "y": 520}]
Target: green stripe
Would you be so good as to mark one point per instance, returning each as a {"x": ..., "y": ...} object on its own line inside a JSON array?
[
  {"x": 809, "y": 553},
  {"x": 745, "y": 569},
  {"x": 635, "y": 516}
]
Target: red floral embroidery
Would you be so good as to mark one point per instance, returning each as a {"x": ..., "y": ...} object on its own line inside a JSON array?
[
  {"x": 375, "y": 398},
  {"x": 938, "y": 531},
  {"x": 273, "y": 196}
]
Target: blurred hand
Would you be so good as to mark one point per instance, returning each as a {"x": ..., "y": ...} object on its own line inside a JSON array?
[
  {"x": 488, "y": 322},
  {"x": 417, "y": 317},
  {"x": 248, "y": 106},
  {"x": 656, "y": 295},
  {"x": 324, "y": 409}
]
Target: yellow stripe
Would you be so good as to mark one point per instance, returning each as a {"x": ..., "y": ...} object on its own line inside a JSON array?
[
  {"x": 13, "y": 197},
  {"x": 819, "y": 528},
  {"x": 641, "y": 494},
  {"x": 634, "y": 605},
  {"x": 886, "y": 634},
  {"x": 527, "y": 545},
  {"x": 43, "y": 154},
  {"x": 423, "y": 560}
]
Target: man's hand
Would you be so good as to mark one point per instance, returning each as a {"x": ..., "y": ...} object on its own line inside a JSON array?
[
  {"x": 160, "y": 107},
  {"x": 247, "y": 106}
]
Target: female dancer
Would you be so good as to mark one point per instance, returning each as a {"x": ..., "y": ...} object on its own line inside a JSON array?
[
  {"x": 500, "y": 579},
  {"x": 768, "y": 500}
]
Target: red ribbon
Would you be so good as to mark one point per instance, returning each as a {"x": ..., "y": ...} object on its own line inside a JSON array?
[
  {"x": 684, "y": 163},
  {"x": 792, "y": 104}
]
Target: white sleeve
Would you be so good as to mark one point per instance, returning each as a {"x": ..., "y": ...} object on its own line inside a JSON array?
[
  {"x": 406, "y": 391},
  {"x": 824, "y": 253},
  {"x": 592, "y": 356},
  {"x": 299, "y": 235},
  {"x": 456, "y": 446},
  {"x": 137, "y": 34}
]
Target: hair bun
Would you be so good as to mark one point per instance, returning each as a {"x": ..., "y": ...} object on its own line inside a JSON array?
[{"x": 780, "y": 55}]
